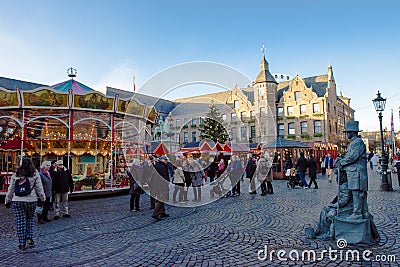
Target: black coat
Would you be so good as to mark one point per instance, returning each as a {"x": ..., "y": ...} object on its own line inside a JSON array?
[
  {"x": 62, "y": 180},
  {"x": 312, "y": 168},
  {"x": 301, "y": 164},
  {"x": 250, "y": 168}
]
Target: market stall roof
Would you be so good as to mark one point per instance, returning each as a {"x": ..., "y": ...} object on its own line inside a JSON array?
[
  {"x": 239, "y": 148},
  {"x": 77, "y": 87},
  {"x": 218, "y": 147},
  {"x": 15, "y": 144},
  {"x": 227, "y": 148},
  {"x": 255, "y": 146},
  {"x": 160, "y": 148},
  {"x": 283, "y": 143},
  {"x": 192, "y": 146}
]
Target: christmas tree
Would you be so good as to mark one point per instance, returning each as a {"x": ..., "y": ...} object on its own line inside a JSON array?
[{"x": 212, "y": 127}]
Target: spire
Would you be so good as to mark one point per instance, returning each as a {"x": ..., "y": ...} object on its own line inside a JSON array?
[
  {"x": 264, "y": 75},
  {"x": 264, "y": 63}
]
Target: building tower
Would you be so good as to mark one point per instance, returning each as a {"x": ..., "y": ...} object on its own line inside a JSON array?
[{"x": 266, "y": 96}]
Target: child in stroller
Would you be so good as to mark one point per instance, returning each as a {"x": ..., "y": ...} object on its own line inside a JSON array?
[
  {"x": 218, "y": 187},
  {"x": 293, "y": 177}
]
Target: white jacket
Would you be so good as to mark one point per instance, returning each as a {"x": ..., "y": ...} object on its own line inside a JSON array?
[{"x": 37, "y": 190}]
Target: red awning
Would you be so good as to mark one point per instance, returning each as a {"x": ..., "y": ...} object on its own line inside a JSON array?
[
  {"x": 227, "y": 148},
  {"x": 161, "y": 149},
  {"x": 15, "y": 144}
]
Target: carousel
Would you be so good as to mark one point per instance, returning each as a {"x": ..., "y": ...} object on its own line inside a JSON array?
[{"x": 88, "y": 130}]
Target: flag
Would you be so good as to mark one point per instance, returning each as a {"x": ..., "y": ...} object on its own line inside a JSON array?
[
  {"x": 392, "y": 127},
  {"x": 134, "y": 83}
]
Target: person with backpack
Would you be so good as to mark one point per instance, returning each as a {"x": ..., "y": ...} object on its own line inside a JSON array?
[
  {"x": 264, "y": 175},
  {"x": 23, "y": 192}
]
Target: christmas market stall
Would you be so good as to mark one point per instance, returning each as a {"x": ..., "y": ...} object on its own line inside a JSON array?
[{"x": 281, "y": 150}]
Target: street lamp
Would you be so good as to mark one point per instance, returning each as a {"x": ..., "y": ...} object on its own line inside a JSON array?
[{"x": 379, "y": 103}]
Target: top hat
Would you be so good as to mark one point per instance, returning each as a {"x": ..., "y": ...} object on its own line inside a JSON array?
[{"x": 352, "y": 126}]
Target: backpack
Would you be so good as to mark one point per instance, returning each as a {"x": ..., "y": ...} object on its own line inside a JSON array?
[
  {"x": 23, "y": 187},
  {"x": 264, "y": 170}
]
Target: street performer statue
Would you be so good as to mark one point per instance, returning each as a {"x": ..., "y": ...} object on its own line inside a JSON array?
[
  {"x": 352, "y": 220},
  {"x": 355, "y": 165}
]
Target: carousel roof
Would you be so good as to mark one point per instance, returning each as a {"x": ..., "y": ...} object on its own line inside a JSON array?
[
  {"x": 284, "y": 143},
  {"x": 76, "y": 87}
]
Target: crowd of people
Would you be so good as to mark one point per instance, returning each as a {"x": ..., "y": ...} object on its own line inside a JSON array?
[
  {"x": 48, "y": 188},
  {"x": 156, "y": 174}
]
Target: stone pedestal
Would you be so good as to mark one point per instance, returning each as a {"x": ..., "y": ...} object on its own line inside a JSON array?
[{"x": 356, "y": 232}]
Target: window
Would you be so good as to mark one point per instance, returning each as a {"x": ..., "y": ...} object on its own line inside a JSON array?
[
  {"x": 233, "y": 116},
  {"x": 235, "y": 103},
  {"x": 242, "y": 115},
  {"x": 193, "y": 136},
  {"x": 224, "y": 117},
  {"x": 303, "y": 109},
  {"x": 233, "y": 133},
  {"x": 185, "y": 137},
  {"x": 253, "y": 131},
  {"x": 290, "y": 111},
  {"x": 291, "y": 129},
  {"x": 185, "y": 121},
  {"x": 201, "y": 120},
  {"x": 297, "y": 95},
  {"x": 178, "y": 123},
  {"x": 243, "y": 132},
  {"x": 316, "y": 108},
  {"x": 281, "y": 129},
  {"x": 303, "y": 126},
  {"x": 177, "y": 138},
  {"x": 262, "y": 111},
  {"x": 317, "y": 127},
  {"x": 193, "y": 121},
  {"x": 252, "y": 114},
  {"x": 281, "y": 76},
  {"x": 280, "y": 112}
]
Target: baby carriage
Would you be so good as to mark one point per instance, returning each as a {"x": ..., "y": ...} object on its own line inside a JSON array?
[
  {"x": 293, "y": 177},
  {"x": 218, "y": 187}
]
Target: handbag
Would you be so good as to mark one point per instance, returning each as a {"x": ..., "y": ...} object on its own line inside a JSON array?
[{"x": 39, "y": 210}]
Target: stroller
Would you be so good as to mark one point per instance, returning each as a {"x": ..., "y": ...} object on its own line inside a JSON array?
[
  {"x": 218, "y": 187},
  {"x": 294, "y": 178}
]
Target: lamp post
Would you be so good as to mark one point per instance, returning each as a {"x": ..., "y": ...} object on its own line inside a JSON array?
[
  {"x": 170, "y": 134},
  {"x": 379, "y": 103}
]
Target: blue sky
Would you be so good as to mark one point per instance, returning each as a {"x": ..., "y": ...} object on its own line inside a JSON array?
[{"x": 109, "y": 42}]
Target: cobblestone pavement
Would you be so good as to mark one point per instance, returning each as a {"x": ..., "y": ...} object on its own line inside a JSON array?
[{"x": 228, "y": 232}]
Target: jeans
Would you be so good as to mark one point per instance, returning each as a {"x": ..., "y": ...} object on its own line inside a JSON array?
[
  {"x": 134, "y": 202},
  {"x": 302, "y": 178},
  {"x": 61, "y": 200}
]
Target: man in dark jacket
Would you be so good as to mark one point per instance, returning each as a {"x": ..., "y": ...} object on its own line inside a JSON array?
[
  {"x": 250, "y": 169},
  {"x": 301, "y": 165},
  {"x": 161, "y": 187},
  {"x": 62, "y": 183},
  {"x": 312, "y": 171}
]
